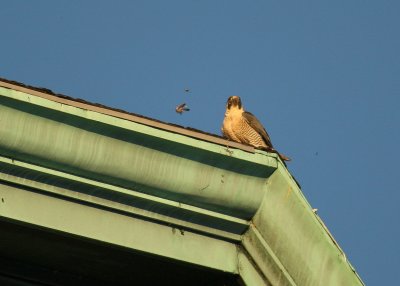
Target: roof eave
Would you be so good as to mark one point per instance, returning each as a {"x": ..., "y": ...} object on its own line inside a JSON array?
[{"x": 169, "y": 178}]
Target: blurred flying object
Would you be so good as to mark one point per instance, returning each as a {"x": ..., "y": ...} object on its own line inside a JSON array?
[{"x": 181, "y": 108}]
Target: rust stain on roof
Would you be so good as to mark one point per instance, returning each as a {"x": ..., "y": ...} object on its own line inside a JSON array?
[{"x": 81, "y": 103}]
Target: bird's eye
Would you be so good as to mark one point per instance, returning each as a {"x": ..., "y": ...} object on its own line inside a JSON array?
[{"x": 229, "y": 102}]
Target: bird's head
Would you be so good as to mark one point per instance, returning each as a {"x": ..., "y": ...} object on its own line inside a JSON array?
[{"x": 234, "y": 102}]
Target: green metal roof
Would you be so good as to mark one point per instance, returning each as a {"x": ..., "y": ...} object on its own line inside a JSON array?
[{"x": 161, "y": 189}]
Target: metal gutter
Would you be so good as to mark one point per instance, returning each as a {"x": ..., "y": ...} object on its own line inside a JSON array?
[
  {"x": 128, "y": 154},
  {"x": 130, "y": 117},
  {"x": 138, "y": 204},
  {"x": 98, "y": 173},
  {"x": 290, "y": 243}
]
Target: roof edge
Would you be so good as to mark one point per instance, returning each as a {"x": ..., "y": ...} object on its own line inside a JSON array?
[{"x": 79, "y": 103}]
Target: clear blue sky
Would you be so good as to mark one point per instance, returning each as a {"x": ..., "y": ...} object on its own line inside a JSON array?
[{"x": 322, "y": 76}]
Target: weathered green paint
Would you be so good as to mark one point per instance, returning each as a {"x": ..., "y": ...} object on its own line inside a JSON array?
[
  {"x": 109, "y": 153},
  {"x": 268, "y": 263},
  {"x": 248, "y": 271},
  {"x": 105, "y": 195},
  {"x": 104, "y": 177},
  {"x": 89, "y": 222},
  {"x": 303, "y": 251}
]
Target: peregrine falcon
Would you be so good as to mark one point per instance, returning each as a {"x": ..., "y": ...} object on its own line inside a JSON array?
[{"x": 243, "y": 127}]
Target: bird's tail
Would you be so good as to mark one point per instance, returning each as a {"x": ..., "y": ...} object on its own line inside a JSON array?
[{"x": 284, "y": 158}]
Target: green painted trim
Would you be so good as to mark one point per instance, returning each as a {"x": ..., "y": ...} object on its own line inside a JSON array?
[
  {"x": 267, "y": 158},
  {"x": 268, "y": 263},
  {"x": 160, "y": 192},
  {"x": 142, "y": 205},
  {"x": 133, "y": 160},
  {"x": 87, "y": 222},
  {"x": 249, "y": 272},
  {"x": 286, "y": 233}
]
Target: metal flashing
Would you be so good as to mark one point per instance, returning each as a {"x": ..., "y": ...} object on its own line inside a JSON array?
[
  {"x": 95, "y": 173},
  {"x": 62, "y": 99}
]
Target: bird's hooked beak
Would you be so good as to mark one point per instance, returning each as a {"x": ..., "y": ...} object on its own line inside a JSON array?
[{"x": 234, "y": 101}]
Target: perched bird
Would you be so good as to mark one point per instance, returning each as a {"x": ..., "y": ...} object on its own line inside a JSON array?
[
  {"x": 243, "y": 127},
  {"x": 181, "y": 108}
]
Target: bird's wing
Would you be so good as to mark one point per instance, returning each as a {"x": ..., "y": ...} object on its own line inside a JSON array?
[{"x": 257, "y": 126}]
